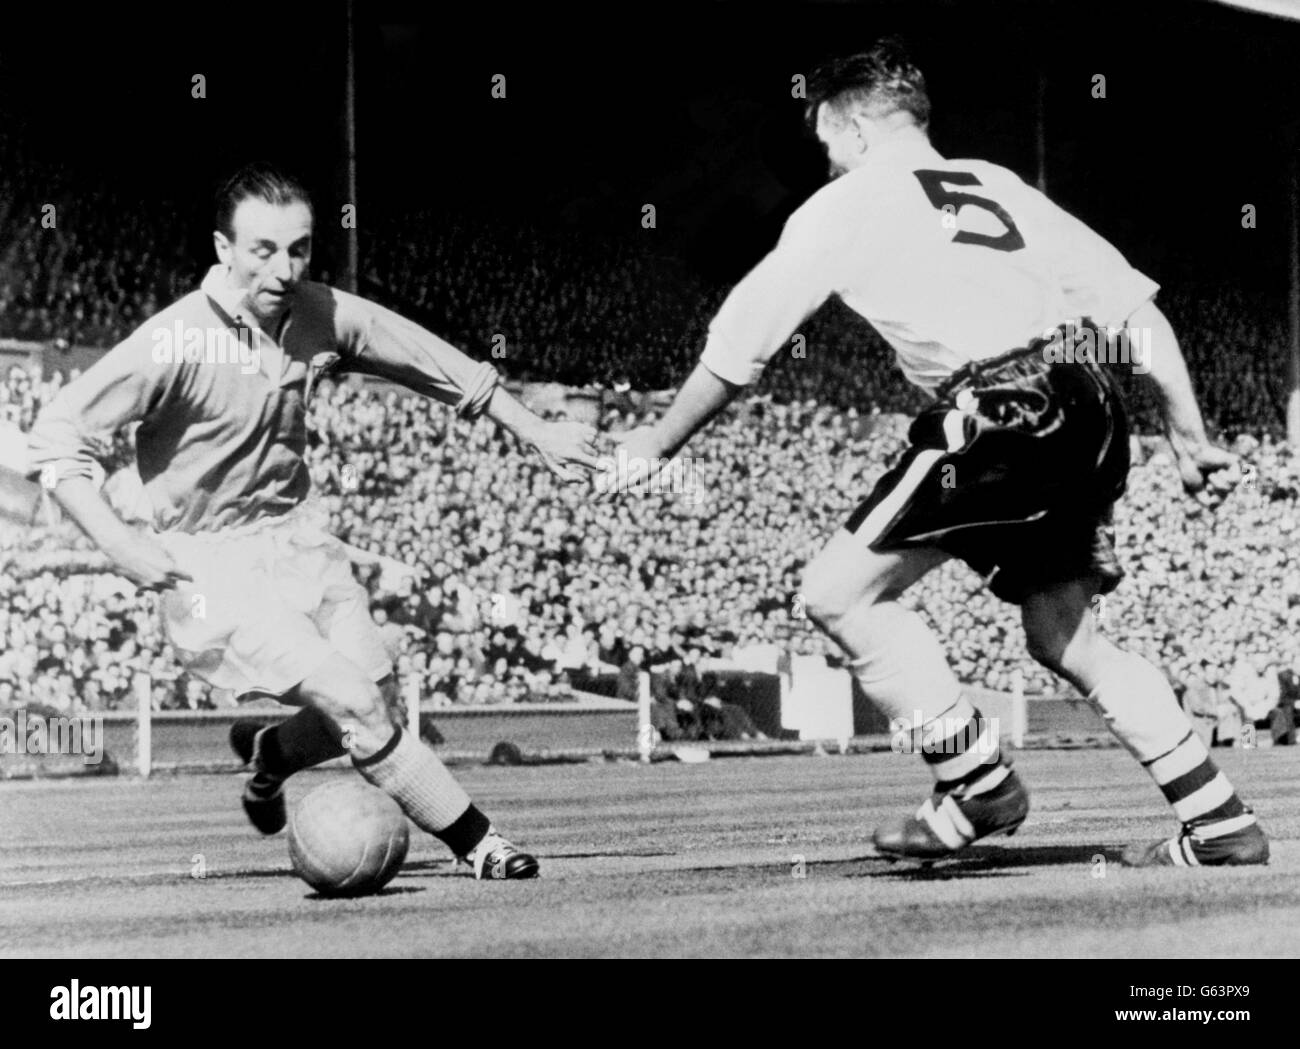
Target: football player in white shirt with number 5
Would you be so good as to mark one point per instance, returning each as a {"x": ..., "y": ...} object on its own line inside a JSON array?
[{"x": 999, "y": 304}]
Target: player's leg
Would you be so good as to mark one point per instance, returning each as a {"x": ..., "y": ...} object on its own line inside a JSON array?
[
  {"x": 311, "y": 573},
  {"x": 1138, "y": 705},
  {"x": 275, "y": 752},
  {"x": 408, "y": 771},
  {"x": 852, "y": 594},
  {"x": 301, "y": 741},
  {"x": 231, "y": 628}
]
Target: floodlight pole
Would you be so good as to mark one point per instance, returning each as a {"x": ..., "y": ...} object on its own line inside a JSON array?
[
  {"x": 1293, "y": 284},
  {"x": 1040, "y": 131},
  {"x": 351, "y": 273}
]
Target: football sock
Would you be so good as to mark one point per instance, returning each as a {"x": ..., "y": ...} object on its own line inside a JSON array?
[
  {"x": 900, "y": 664},
  {"x": 411, "y": 774},
  {"x": 1138, "y": 705},
  {"x": 907, "y": 675},
  {"x": 465, "y": 835},
  {"x": 1197, "y": 790},
  {"x": 962, "y": 751},
  {"x": 297, "y": 743}
]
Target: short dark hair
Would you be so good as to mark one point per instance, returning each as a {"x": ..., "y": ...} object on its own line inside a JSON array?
[
  {"x": 882, "y": 80},
  {"x": 261, "y": 181}
]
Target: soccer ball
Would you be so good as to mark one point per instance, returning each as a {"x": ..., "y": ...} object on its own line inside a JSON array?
[{"x": 347, "y": 838}]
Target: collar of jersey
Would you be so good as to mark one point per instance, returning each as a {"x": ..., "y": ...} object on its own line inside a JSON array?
[
  {"x": 216, "y": 286},
  {"x": 896, "y": 151}
]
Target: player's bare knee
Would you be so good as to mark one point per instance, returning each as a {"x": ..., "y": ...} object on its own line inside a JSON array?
[
  {"x": 1058, "y": 637},
  {"x": 394, "y": 704},
  {"x": 821, "y": 604},
  {"x": 1046, "y": 648},
  {"x": 827, "y": 599},
  {"x": 343, "y": 691}
]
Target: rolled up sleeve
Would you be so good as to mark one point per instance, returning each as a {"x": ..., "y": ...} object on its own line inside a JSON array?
[{"x": 383, "y": 343}]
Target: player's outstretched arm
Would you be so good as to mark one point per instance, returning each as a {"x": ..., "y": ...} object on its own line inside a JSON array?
[
  {"x": 561, "y": 444},
  {"x": 756, "y": 319},
  {"x": 123, "y": 386},
  {"x": 1196, "y": 456},
  {"x": 701, "y": 397},
  {"x": 134, "y": 555},
  {"x": 647, "y": 449},
  {"x": 381, "y": 342}
]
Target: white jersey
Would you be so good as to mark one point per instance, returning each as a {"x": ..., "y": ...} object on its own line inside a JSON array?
[{"x": 950, "y": 260}]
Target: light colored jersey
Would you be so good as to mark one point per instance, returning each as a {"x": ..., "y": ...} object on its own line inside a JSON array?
[{"x": 950, "y": 260}]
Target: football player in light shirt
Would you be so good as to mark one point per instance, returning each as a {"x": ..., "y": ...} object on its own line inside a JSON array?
[
  {"x": 1003, "y": 307},
  {"x": 257, "y": 596}
]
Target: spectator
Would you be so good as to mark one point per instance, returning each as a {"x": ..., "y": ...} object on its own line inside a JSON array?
[
  {"x": 394, "y": 638},
  {"x": 629, "y": 675},
  {"x": 1201, "y": 705},
  {"x": 1281, "y": 722},
  {"x": 726, "y": 721},
  {"x": 1253, "y": 686},
  {"x": 1288, "y": 689}
]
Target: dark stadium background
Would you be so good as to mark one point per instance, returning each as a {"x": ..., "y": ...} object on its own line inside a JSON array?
[{"x": 687, "y": 107}]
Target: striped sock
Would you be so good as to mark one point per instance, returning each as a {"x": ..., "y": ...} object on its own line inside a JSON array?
[
  {"x": 1137, "y": 703},
  {"x": 1197, "y": 790},
  {"x": 411, "y": 774},
  {"x": 962, "y": 749}
]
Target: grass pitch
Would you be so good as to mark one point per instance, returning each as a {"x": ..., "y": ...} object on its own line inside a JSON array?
[{"x": 737, "y": 856}]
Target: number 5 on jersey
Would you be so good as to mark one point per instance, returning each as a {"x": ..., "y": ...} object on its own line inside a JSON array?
[{"x": 942, "y": 197}]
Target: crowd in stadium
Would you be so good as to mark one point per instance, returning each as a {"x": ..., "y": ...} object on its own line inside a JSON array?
[
  {"x": 562, "y": 305},
  {"x": 521, "y": 584}
]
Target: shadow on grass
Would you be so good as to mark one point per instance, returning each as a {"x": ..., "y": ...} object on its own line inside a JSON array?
[
  {"x": 621, "y": 854},
  {"x": 984, "y": 860},
  {"x": 979, "y": 861},
  {"x": 243, "y": 873},
  {"x": 442, "y": 868},
  {"x": 317, "y": 897}
]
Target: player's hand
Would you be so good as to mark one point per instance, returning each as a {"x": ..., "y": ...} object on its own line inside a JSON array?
[
  {"x": 631, "y": 464},
  {"x": 1198, "y": 460},
  {"x": 564, "y": 446},
  {"x": 148, "y": 565}
]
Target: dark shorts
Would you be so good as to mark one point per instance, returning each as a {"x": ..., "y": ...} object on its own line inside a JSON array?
[{"x": 1014, "y": 470}]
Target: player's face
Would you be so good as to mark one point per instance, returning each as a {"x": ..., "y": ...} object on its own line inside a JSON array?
[
  {"x": 269, "y": 253},
  {"x": 843, "y": 142}
]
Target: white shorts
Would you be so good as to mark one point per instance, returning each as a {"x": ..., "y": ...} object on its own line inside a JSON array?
[{"x": 270, "y": 602}]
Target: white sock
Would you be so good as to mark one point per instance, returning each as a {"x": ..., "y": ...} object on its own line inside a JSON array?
[
  {"x": 413, "y": 776},
  {"x": 904, "y": 670}
]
